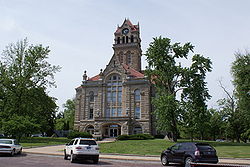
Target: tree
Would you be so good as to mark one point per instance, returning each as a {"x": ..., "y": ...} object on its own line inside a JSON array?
[
  {"x": 195, "y": 95},
  {"x": 217, "y": 124},
  {"x": 241, "y": 80},
  {"x": 169, "y": 77},
  {"x": 65, "y": 119},
  {"x": 69, "y": 113},
  {"x": 25, "y": 75}
]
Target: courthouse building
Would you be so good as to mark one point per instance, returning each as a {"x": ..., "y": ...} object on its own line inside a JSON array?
[{"x": 117, "y": 100}]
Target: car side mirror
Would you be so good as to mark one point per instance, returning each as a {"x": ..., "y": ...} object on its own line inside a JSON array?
[{"x": 67, "y": 144}]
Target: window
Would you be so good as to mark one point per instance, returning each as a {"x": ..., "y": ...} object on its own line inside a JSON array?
[
  {"x": 137, "y": 95},
  {"x": 126, "y": 39},
  {"x": 71, "y": 142},
  {"x": 114, "y": 96},
  {"x": 91, "y": 96},
  {"x": 87, "y": 142},
  {"x": 129, "y": 59},
  {"x": 118, "y": 40},
  {"x": 123, "y": 39},
  {"x": 137, "y": 112},
  {"x": 107, "y": 114},
  {"x": 132, "y": 38},
  {"x": 137, "y": 130},
  {"x": 91, "y": 113},
  {"x": 119, "y": 111}
]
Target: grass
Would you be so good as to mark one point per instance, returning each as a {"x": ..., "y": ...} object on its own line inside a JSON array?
[
  {"x": 144, "y": 147},
  {"x": 156, "y": 146},
  {"x": 42, "y": 141}
]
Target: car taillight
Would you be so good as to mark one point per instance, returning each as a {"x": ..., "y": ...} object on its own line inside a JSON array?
[
  {"x": 97, "y": 148},
  {"x": 78, "y": 148},
  {"x": 197, "y": 153}
]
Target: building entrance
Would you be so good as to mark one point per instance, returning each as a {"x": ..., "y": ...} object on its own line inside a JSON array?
[{"x": 112, "y": 130}]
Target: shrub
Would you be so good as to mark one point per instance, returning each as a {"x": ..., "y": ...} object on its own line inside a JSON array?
[
  {"x": 75, "y": 134},
  {"x": 135, "y": 137},
  {"x": 159, "y": 136}
]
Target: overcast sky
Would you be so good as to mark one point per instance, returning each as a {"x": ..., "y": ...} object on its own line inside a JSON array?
[{"x": 80, "y": 33}]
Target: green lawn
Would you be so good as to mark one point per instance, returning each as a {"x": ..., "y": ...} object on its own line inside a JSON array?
[
  {"x": 144, "y": 147},
  {"x": 155, "y": 147},
  {"x": 42, "y": 141}
]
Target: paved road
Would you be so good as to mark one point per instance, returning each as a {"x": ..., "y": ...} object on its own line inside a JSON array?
[{"x": 31, "y": 160}]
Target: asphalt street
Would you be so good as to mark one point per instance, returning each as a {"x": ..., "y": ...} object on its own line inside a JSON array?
[{"x": 31, "y": 160}]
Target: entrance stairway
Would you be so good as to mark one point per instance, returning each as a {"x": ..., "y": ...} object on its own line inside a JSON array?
[{"x": 108, "y": 140}]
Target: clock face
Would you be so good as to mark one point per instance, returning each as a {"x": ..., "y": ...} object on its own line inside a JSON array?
[{"x": 125, "y": 31}]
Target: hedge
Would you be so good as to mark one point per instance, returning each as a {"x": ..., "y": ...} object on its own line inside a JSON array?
[
  {"x": 75, "y": 134},
  {"x": 135, "y": 137}
]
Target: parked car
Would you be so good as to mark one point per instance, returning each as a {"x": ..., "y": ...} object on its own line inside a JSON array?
[
  {"x": 10, "y": 146},
  {"x": 82, "y": 148},
  {"x": 220, "y": 140},
  {"x": 185, "y": 153},
  {"x": 36, "y": 135}
]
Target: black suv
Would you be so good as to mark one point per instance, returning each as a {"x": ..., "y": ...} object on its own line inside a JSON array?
[{"x": 185, "y": 153}]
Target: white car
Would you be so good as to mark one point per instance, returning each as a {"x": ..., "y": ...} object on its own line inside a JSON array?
[
  {"x": 82, "y": 148},
  {"x": 10, "y": 146}
]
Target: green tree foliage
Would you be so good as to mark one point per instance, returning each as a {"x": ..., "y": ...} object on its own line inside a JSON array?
[
  {"x": 25, "y": 75},
  {"x": 169, "y": 77},
  {"x": 241, "y": 79},
  {"x": 65, "y": 119},
  {"x": 195, "y": 95},
  {"x": 217, "y": 123}
]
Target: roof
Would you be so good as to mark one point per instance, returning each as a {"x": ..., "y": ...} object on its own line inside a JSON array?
[
  {"x": 132, "y": 27},
  {"x": 131, "y": 72},
  {"x": 95, "y": 78}
]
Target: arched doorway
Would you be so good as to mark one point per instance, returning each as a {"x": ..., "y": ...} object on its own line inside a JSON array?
[
  {"x": 111, "y": 130},
  {"x": 90, "y": 129}
]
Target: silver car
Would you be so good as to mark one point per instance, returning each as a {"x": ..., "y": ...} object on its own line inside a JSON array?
[
  {"x": 82, "y": 148},
  {"x": 10, "y": 146}
]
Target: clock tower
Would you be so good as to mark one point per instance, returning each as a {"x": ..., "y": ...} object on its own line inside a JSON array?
[{"x": 127, "y": 46}]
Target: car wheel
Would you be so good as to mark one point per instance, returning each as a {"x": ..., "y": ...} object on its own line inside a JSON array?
[
  {"x": 12, "y": 152},
  {"x": 20, "y": 151},
  {"x": 188, "y": 160},
  {"x": 65, "y": 155},
  {"x": 72, "y": 158},
  {"x": 164, "y": 160}
]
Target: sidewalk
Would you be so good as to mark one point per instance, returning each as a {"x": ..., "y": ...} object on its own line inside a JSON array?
[{"x": 58, "y": 150}]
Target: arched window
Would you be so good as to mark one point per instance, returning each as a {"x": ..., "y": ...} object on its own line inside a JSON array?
[
  {"x": 137, "y": 95},
  {"x": 137, "y": 129},
  {"x": 91, "y": 96},
  {"x": 114, "y": 96},
  {"x": 132, "y": 39}
]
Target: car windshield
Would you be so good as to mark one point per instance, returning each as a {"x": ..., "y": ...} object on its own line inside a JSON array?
[
  {"x": 87, "y": 142},
  {"x": 204, "y": 147},
  {"x": 5, "y": 141}
]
